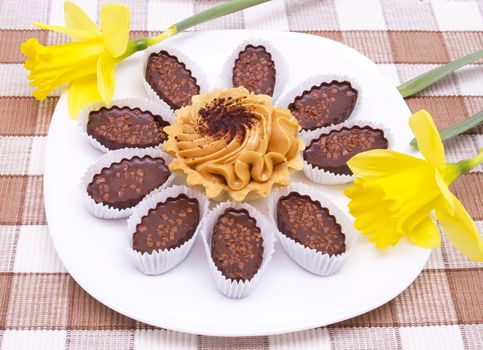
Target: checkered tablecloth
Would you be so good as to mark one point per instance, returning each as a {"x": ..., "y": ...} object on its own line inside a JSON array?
[{"x": 41, "y": 307}]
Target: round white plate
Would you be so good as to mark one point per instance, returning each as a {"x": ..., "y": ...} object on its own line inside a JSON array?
[{"x": 287, "y": 298}]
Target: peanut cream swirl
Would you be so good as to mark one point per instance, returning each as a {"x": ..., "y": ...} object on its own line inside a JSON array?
[{"x": 234, "y": 142}]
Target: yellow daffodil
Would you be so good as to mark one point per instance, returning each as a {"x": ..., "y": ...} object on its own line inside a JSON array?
[
  {"x": 87, "y": 63},
  {"x": 396, "y": 195}
]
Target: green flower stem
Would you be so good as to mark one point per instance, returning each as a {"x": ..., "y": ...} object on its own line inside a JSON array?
[
  {"x": 163, "y": 36},
  {"x": 212, "y": 13},
  {"x": 454, "y": 170},
  {"x": 217, "y": 11},
  {"x": 457, "y": 129},
  {"x": 468, "y": 164},
  {"x": 424, "y": 80}
]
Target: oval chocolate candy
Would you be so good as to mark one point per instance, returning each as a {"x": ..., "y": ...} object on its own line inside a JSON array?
[
  {"x": 254, "y": 69},
  {"x": 308, "y": 223},
  {"x": 171, "y": 80},
  {"x": 331, "y": 151},
  {"x": 124, "y": 184},
  {"x": 237, "y": 245},
  {"x": 168, "y": 225},
  {"x": 324, "y": 105},
  {"x": 120, "y": 127}
]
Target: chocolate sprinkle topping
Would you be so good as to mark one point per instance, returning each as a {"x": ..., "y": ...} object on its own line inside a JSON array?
[
  {"x": 171, "y": 80},
  {"x": 254, "y": 69},
  {"x": 332, "y": 151},
  {"x": 120, "y": 127},
  {"x": 226, "y": 117},
  {"x": 124, "y": 184},
  {"x": 308, "y": 223},
  {"x": 168, "y": 225},
  {"x": 324, "y": 105},
  {"x": 237, "y": 245}
]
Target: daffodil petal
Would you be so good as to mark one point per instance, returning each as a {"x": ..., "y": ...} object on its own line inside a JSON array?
[
  {"x": 427, "y": 136},
  {"x": 73, "y": 32},
  {"x": 106, "y": 77},
  {"x": 115, "y": 28},
  {"x": 445, "y": 192},
  {"x": 461, "y": 230},
  {"x": 381, "y": 162},
  {"x": 75, "y": 17},
  {"x": 81, "y": 93},
  {"x": 372, "y": 216},
  {"x": 426, "y": 234}
]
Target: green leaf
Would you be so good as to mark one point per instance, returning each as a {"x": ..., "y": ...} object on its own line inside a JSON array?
[
  {"x": 424, "y": 80},
  {"x": 457, "y": 129}
]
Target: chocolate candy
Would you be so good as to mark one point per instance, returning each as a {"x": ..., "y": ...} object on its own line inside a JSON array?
[
  {"x": 331, "y": 151},
  {"x": 254, "y": 69},
  {"x": 168, "y": 225},
  {"x": 323, "y": 105},
  {"x": 237, "y": 245},
  {"x": 120, "y": 127},
  {"x": 171, "y": 80},
  {"x": 308, "y": 223},
  {"x": 124, "y": 184}
]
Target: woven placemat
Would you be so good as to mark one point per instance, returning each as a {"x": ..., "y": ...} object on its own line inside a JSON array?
[{"x": 41, "y": 307}]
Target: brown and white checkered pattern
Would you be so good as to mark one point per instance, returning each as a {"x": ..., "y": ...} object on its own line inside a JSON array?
[{"x": 41, "y": 307}]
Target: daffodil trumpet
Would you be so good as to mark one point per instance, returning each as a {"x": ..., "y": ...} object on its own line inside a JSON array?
[
  {"x": 396, "y": 195},
  {"x": 87, "y": 64}
]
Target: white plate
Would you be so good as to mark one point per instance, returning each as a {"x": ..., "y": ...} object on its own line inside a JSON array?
[{"x": 185, "y": 299}]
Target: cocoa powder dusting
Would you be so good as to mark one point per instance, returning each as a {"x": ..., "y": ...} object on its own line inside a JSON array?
[{"x": 225, "y": 117}]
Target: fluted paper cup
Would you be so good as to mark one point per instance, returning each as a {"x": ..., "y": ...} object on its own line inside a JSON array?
[
  {"x": 155, "y": 107},
  {"x": 101, "y": 210},
  {"x": 190, "y": 64},
  {"x": 314, "y": 261},
  {"x": 160, "y": 261},
  {"x": 281, "y": 66},
  {"x": 326, "y": 177},
  {"x": 316, "y": 80},
  {"x": 232, "y": 288}
]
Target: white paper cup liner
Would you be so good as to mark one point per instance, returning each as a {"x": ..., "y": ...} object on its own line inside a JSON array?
[
  {"x": 281, "y": 66},
  {"x": 326, "y": 177},
  {"x": 161, "y": 261},
  {"x": 310, "y": 259},
  {"x": 190, "y": 64},
  {"x": 155, "y": 107},
  {"x": 232, "y": 288},
  {"x": 107, "y": 212},
  {"x": 316, "y": 80}
]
